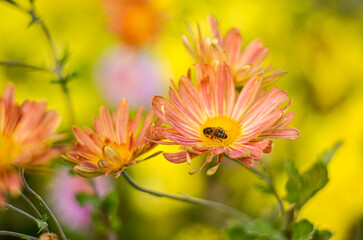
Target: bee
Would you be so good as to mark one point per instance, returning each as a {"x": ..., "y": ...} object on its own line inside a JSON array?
[{"x": 212, "y": 133}]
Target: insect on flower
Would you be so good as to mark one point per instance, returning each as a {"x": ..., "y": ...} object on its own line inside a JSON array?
[
  {"x": 212, "y": 133},
  {"x": 212, "y": 118}
]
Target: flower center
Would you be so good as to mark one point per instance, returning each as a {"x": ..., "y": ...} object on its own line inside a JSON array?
[
  {"x": 219, "y": 131},
  {"x": 8, "y": 151}
]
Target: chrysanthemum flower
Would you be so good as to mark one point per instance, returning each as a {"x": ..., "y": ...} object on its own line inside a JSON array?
[
  {"x": 243, "y": 63},
  {"x": 26, "y": 136},
  {"x": 213, "y": 119},
  {"x": 116, "y": 144}
]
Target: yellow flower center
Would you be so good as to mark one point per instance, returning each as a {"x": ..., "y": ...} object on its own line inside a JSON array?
[
  {"x": 8, "y": 151},
  {"x": 219, "y": 131}
]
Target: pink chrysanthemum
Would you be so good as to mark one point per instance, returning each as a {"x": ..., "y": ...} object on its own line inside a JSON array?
[
  {"x": 116, "y": 144},
  {"x": 26, "y": 136},
  {"x": 243, "y": 63},
  {"x": 213, "y": 119}
]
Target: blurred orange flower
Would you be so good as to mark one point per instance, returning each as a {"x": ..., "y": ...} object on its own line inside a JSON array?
[
  {"x": 213, "y": 119},
  {"x": 114, "y": 146},
  {"x": 26, "y": 136},
  {"x": 243, "y": 63},
  {"x": 135, "y": 22}
]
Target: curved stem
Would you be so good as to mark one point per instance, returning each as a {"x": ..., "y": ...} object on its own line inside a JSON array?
[
  {"x": 21, "y": 212},
  {"x": 268, "y": 180},
  {"x": 189, "y": 199},
  {"x": 33, "y": 207},
  {"x": 43, "y": 204},
  {"x": 15, "y": 234}
]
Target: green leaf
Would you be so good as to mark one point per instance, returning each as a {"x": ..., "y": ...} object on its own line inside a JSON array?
[
  {"x": 236, "y": 230},
  {"x": 260, "y": 229},
  {"x": 84, "y": 198},
  {"x": 322, "y": 235},
  {"x": 328, "y": 154},
  {"x": 302, "y": 230},
  {"x": 300, "y": 188}
]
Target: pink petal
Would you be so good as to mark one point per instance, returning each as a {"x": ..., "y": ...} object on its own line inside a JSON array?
[
  {"x": 232, "y": 44},
  {"x": 122, "y": 122},
  {"x": 282, "y": 133}
]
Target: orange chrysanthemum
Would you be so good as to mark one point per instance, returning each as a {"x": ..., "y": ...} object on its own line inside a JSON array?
[
  {"x": 243, "y": 63},
  {"x": 116, "y": 144},
  {"x": 213, "y": 119},
  {"x": 26, "y": 136},
  {"x": 135, "y": 22}
]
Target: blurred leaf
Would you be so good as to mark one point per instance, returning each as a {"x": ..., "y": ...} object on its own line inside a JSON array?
[
  {"x": 260, "y": 229},
  {"x": 322, "y": 235},
  {"x": 328, "y": 154},
  {"x": 302, "y": 230},
  {"x": 265, "y": 188},
  {"x": 84, "y": 198},
  {"x": 110, "y": 203}
]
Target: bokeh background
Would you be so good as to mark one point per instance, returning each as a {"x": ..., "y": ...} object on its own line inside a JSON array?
[{"x": 319, "y": 43}]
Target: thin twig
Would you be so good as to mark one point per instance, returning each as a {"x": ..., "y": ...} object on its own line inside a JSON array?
[
  {"x": 25, "y": 65},
  {"x": 31, "y": 205},
  {"x": 43, "y": 204},
  {"x": 21, "y": 212},
  {"x": 34, "y": 208},
  {"x": 189, "y": 199},
  {"x": 15, "y": 234}
]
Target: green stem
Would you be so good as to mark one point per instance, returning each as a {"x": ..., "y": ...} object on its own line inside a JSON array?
[
  {"x": 24, "y": 65},
  {"x": 189, "y": 199},
  {"x": 15, "y": 234},
  {"x": 21, "y": 212},
  {"x": 33, "y": 207},
  {"x": 58, "y": 66},
  {"x": 44, "y": 205},
  {"x": 268, "y": 180}
]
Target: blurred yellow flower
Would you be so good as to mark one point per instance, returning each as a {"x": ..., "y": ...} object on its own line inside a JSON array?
[
  {"x": 213, "y": 119},
  {"x": 114, "y": 146},
  {"x": 243, "y": 64},
  {"x": 26, "y": 136}
]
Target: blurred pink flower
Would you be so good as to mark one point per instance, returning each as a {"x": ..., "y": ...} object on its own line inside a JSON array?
[
  {"x": 126, "y": 73},
  {"x": 64, "y": 189}
]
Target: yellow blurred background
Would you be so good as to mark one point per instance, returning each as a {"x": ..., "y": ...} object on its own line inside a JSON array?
[{"x": 319, "y": 43}]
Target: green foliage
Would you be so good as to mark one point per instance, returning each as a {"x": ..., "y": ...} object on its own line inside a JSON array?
[
  {"x": 322, "y": 235},
  {"x": 84, "y": 198},
  {"x": 302, "y": 230},
  {"x": 300, "y": 188},
  {"x": 257, "y": 229}
]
